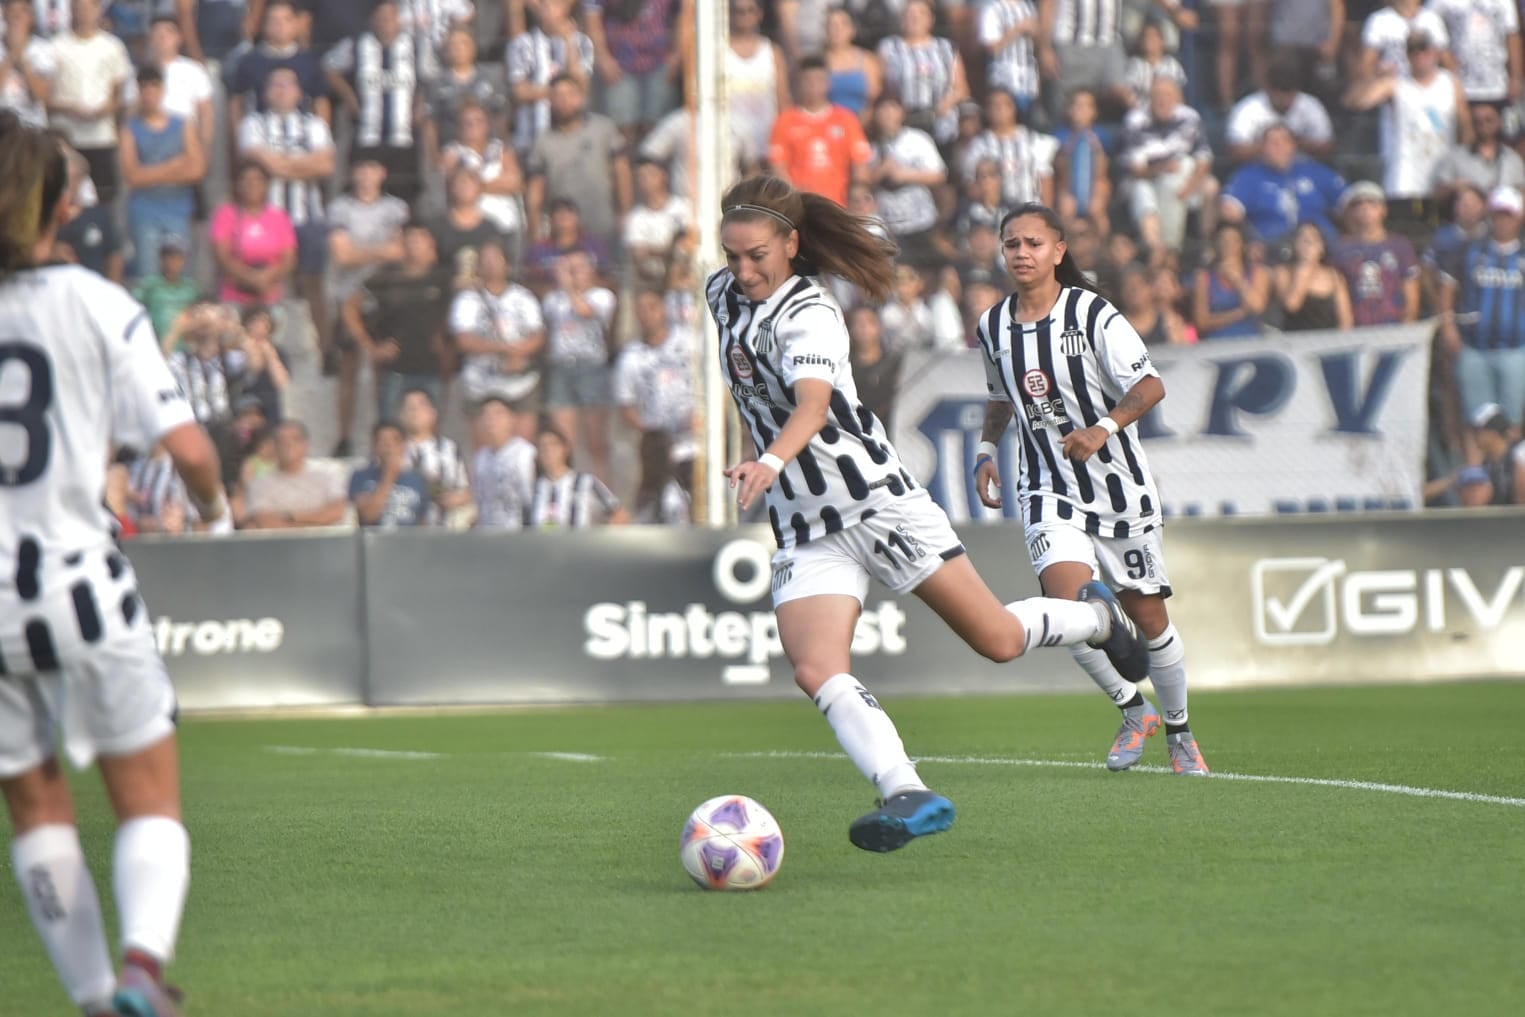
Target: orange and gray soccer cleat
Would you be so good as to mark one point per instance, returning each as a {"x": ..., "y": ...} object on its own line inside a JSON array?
[
  {"x": 1185, "y": 757},
  {"x": 1139, "y": 722}
]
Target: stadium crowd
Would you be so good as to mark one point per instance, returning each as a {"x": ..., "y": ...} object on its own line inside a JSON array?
[{"x": 484, "y": 209}]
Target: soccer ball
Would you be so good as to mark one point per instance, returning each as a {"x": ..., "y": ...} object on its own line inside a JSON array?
[{"x": 731, "y": 843}]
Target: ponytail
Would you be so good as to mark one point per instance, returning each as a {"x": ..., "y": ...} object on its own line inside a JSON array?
[
  {"x": 831, "y": 239},
  {"x": 33, "y": 176}
]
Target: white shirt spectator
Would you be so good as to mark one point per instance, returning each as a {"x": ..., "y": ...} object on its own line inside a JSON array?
[
  {"x": 510, "y": 316},
  {"x": 1306, "y": 118},
  {"x": 573, "y": 340},
  {"x": 1479, "y": 31},
  {"x": 14, "y": 93},
  {"x": 1014, "y": 67},
  {"x": 909, "y": 208},
  {"x": 503, "y": 482},
  {"x": 186, "y": 86},
  {"x": 658, "y": 381},
  {"x": 668, "y": 143},
  {"x": 504, "y": 210},
  {"x": 89, "y": 72},
  {"x": 1387, "y": 32},
  {"x": 1419, "y": 125},
  {"x": 658, "y": 227},
  {"x": 429, "y": 22}
]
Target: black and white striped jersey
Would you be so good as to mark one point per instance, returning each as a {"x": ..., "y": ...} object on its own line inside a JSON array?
[
  {"x": 1015, "y": 66},
  {"x": 920, "y": 76},
  {"x": 1088, "y": 22},
  {"x": 848, "y": 468},
  {"x": 1064, "y": 372},
  {"x": 289, "y": 134},
  {"x": 576, "y": 501},
  {"x": 385, "y": 78}
]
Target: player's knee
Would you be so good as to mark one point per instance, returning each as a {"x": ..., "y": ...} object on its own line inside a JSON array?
[
  {"x": 1003, "y": 645},
  {"x": 810, "y": 677},
  {"x": 39, "y": 798}
]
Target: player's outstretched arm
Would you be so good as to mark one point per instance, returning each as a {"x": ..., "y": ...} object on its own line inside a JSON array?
[
  {"x": 195, "y": 459},
  {"x": 813, "y": 404}
]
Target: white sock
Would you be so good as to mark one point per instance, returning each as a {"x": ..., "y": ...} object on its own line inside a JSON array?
[
  {"x": 60, "y": 897},
  {"x": 1053, "y": 622},
  {"x": 152, "y": 871},
  {"x": 1095, "y": 663},
  {"x": 867, "y": 735},
  {"x": 1167, "y": 669}
]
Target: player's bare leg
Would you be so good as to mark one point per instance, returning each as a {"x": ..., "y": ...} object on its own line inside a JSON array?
[
  {"x": 150, "y": 872},
  {"x": 57, "y": 886},
  {"x": 817, "y": 633},
  {"x": 1167, "y": 666}
]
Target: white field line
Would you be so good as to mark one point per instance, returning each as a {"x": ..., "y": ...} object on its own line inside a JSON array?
[
  {"x": 569, "y": 757},
  {"x": 307, "y": 750},
  {"x": 1351, "y": 785}
]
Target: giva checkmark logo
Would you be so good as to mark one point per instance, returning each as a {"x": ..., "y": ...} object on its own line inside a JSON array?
[{"x": 1294, "y": 600}]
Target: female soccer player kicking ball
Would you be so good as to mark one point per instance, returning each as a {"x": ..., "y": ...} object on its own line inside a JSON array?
[
  {"x": 842, "y": 508},
  {"x": 1080, "y": 376}
]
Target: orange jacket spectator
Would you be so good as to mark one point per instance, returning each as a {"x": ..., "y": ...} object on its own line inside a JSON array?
[{"x": 816, "y": 146}]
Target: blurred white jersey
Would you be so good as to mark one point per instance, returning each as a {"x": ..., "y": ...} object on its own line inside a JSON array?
[{"x": 80, "y": 370}]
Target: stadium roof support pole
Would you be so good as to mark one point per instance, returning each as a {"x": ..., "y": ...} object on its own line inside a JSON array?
[{"x": 711, "y": 170}]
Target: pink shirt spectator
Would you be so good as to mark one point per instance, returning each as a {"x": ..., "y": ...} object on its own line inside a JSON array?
[{"x": 256, "y": 241}]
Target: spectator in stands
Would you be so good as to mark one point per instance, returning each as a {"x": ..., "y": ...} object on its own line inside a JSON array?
[
  {"x": 908, "y": 319},
  {"x": 398, "y": 317},
  {"x": 1424, "y": 114},
  {"x": 263, "y": 374},
  {"x": 669, "y": 142},
  {"x": 983, "y": 205},
  {"x": 582, "y": 158},
  {"x": 296, "y": 493},
  {"x": 1170, "y": 301},
  {"x": 386, "y": 492},
  {"x": 162, "y": 164},
  {"x": 429, "y": 23},
  {"x": 1497, "y": 439},
  {"x": 1485, "y": 40},
  {"x": 1082, "y": 173},
  {"x": 876, "y": 370},
  {"x": 1385, "y": 39},
  {"x": 253, "y": 242},
  {"x": 1281, "y": 101},
  {"x": 659, "y": 220},
  {"x": 536, "y": 59},
  {"x": 1156, "y": 325},
  {"x": 1309, "y": 290},
  {"x": 1241, "y": 26},
  {"x": 565, "y": 498},
  {"x": 90, "y": 237},
  {"x": 982, "y": 291},
  {"x": 200, "y": 367},
  {"x": 1487, "y": 163},
  {"x": 1232, "y": 291},
  {"x": 637, "y": 59},
  {"x": 1007, "y": 30},
  {"x": 653, "y": 387},
  {"x": 1466, "y": 223},
  {"x": 496, "y": 165},
  {"x": 168, "y": 293},
  {"x": 1308, "y": 34},
  {"x": 464, "y": 227},
  {"x": 579, "y": 324},
  {"x": 1153, "y": 61},
  {"x": 503, "y": 470},
  {"x": 1025, "y": 157},
  {"x": 156, "y": 495},
  {"x": 437, "y": 458},
  {"x": 1120, "y": 252},
  {"x": 816, "y": 146},
  {"x": 857, "y": 79},
  {"x": 906, "y": 167},
  {"x": 757, "y": 79},
  {"x": 1166, "y": 154},
  {"x": 27, "y": 66},
  {"x": 297, "y": 150},
  {"x": 376, "y": 78},
  {"x": 566, "y": 235},
  {"x": 1380, "y": 269},
  {"x": 498, "y": 328},
  {"x": 89, "y": 93},
  {"x": 365, "y": 233},
  {"x": 1081, "y": 45},
  {"x": 926, "y": 72},
  {"x": 462, "y": 80},
  {"x": 1280, "y": 190},
  {"x": 1483, "y": 313},
  {"x": 214, "y": 28},
  {"x": 53, "y": 17},
  {"x": 188, "y": 89},
  {"x": 279, "y": 48}
]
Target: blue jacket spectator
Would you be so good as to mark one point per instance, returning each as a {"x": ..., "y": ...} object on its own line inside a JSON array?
[{"x": 1273, "y": 195}]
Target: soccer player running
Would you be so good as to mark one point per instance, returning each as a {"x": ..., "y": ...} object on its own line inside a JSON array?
[
  {"x": 842, "y": 508},
  {"x": 83, "y": 373},
  {"x": 1078, "y": 372}
]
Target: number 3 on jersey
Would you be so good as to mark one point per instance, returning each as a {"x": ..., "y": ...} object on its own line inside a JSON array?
[{"x": 26, "y": 394}]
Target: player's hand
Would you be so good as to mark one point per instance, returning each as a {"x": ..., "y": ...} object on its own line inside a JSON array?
[
  {"x": 1080, "y": 445},
  {"x": 752, "y": 479},
  {"x": 987, "y": 482}
]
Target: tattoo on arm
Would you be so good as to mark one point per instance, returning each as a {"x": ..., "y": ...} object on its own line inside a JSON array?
[
  {"x": 998, "y": 414},
  {"x": 1137, "y": 401}
]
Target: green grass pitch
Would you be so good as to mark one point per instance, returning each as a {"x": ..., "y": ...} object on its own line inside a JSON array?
[{"x": 486, "y": 879}]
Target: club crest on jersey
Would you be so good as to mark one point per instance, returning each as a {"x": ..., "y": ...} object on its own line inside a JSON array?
[
  {"x": 1072, "y": 342},
  {"x": 740, "y": 364},
  {"x": 1035, "y": 382},
  {"x": 763, "y": 344}
]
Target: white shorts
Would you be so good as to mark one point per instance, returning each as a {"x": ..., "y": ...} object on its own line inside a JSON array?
[
  {"x": 901, "y": 546},
  {"x": 107, "y": 689},
  {"x": 1123, "y": 563}
]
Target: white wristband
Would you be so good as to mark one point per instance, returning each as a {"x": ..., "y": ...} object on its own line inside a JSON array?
[
  {"x": 771, "y": 461},
  {"x": 1109, "y": 425},
  {"x": 987, "y": 448}
]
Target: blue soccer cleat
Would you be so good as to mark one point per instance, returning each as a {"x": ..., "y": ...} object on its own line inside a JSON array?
[
  {"x": 1124, "y": 647},
  {"x": 900, "y": 819},
  {"x": 139, "y": 994}
]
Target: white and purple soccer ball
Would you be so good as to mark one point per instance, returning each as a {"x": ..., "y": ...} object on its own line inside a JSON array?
[{"x": 732, "y": 843}]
